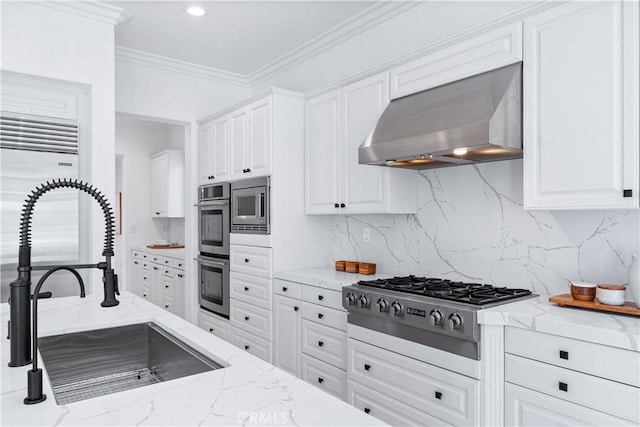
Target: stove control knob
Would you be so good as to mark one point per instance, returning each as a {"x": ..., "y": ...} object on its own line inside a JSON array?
[
  {"x": 455, "y": 321},
  {"x": 350, "y": 299},
  {"x": 382, "y": 305},
  {"x": 396, "y": 307},
  {"x": 435, "y": 317},
  {"x": 363, "y": 301}
]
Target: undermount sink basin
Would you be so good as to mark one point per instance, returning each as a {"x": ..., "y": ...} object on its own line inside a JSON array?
[{"x": 94, "y": 363}]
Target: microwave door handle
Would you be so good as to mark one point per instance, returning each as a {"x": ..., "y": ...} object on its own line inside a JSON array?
[{"x": 261, "y": 205}]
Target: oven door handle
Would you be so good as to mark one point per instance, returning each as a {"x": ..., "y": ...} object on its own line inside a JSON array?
[
  {"x": 212, "y": 203},
  {"x": 210, "y": 262}
]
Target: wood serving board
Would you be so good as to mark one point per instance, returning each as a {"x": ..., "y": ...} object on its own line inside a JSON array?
[
  {"x": 166, "y": 247},
  {"x": 565, "y": 300}
]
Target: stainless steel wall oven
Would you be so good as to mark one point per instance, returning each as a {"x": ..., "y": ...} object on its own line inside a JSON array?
[{"x": 214, "y": 233}]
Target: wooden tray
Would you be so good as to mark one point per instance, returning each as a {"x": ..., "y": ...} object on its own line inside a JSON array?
[
  {"x": 165, "y": 247},
  {"x": 565, "y": 300}
]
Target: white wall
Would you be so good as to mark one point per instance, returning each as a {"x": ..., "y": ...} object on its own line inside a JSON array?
[{"x": 41, "y": 41}]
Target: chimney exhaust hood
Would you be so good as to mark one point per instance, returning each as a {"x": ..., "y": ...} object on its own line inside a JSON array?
[{"x": 477, "y": 119}]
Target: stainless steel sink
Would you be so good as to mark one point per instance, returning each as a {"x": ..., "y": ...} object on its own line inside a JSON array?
[{"x": 94, "y": 363}]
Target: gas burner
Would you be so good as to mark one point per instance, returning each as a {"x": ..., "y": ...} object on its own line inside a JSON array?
[{"x": 467, "y": 293}]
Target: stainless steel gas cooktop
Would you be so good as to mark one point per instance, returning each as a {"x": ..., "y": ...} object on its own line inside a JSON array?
[{"x": 436, "y": 312}]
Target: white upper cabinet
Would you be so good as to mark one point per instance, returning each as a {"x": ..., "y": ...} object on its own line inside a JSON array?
[
  {"x": 479, "y": 54},
  {"x": 336, "y": 125},
  {"x": 238, "y": 144},
  {"x": 167, "y": 184},
  {"x": 581, "y": 107},
  {"x": 213, "y": 151}
]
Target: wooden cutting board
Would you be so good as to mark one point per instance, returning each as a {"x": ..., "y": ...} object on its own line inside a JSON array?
[
  {"x": 565, "y": 300},
  {"x": 165, "y": 247}
]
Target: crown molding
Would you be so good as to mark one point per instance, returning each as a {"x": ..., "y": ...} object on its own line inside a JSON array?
[
  {"x": 96, "y": 10},
  {"x": 138, "y": 57},
  {"x": 369, "y": 18}
]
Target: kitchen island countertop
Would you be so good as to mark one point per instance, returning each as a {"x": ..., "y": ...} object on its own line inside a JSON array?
[{"x": 248, "y": 392}]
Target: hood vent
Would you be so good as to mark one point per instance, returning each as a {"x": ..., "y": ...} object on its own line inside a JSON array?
[{"x": 478, "y": 119}]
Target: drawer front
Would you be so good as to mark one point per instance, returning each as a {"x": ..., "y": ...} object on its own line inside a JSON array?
[
  {"x": 216, "y": 325},
  {"x": 250, "y": 343},
  {"x": 178, "y": 263},
  {"x": 165, "y": 262},
  {"x": 324, "y": 343},
  {"x": 524, "y": 407},
  {"x": 251, "y": 289},
  {"x": 251, "y": 318},
  {"x": 325, "y": 297},
  {"x": 446, "y": 395},
  {"x": 324, "y": 316},
  {"x": 287, "y": 289},
  {"x": 575, "y": 354},
  {"x": 251, "y": 260},
  {"x": 387, "y": 409},
  {"x": 611, "y": 397},
  {"x": 324, "y": 376},
  {"x": 136, "y": 254}
]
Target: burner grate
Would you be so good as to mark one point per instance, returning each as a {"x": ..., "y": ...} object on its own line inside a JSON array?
[{"x": 468, "y": 293}]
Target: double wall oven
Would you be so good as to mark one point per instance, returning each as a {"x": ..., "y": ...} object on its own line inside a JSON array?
[{"x": 213, "y": 261}]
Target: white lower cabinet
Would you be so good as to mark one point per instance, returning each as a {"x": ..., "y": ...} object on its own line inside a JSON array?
[
  {"x": 251, "y": 343},
  {"x": 387, "y": 409},
  {"x": 552, "y": 380},
  {"x": 309, "y": 335},
  {"x": 286, "y": 334},
  {"x": 214, "y": 324},
  {"x": 324, "y": 376},
  {"x": 158, "y": 279},
  {"x": 528, "y": 408},
  {"x": 446, "y": 395}
]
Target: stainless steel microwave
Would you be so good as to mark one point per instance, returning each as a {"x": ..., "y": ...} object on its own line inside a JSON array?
[{"x": 250, "y": 206}]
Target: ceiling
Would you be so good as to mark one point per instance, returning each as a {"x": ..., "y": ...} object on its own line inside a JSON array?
[{"x": 235, "y": 36}]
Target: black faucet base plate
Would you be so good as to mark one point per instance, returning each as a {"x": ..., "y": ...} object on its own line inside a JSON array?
[
  {"x": 15, "y": 365},
  {"x": 28, "y": 401}
]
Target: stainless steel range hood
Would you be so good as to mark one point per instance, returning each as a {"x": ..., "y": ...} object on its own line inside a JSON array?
[{"x": 478, "y": 119}]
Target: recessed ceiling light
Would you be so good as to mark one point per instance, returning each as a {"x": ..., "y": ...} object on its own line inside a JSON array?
[{"x": 196, "y": 11}]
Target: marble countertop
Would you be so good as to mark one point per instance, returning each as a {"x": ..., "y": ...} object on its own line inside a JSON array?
[
  {"x": 536, "y": 314},
  {"x": 171, "y": 253},
  {"x": 325, "y": 277},
  {"x": 248, "y": 392}
]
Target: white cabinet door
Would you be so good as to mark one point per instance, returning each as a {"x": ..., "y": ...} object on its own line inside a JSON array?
[
  {"x": 220, "y": 150},
  {"x": 581, "y": 107},
  {"x": 286, "y": 342},
  {"x": 527, "y": 408},
  {"x": 260, "y": 138},
  {"x": 322, "y": 154},
  {"x": 365, "y": 186},
  {"x": 238, "y": 143},
  {"x": 135, "y": 284},
  {"x": 205, "y": 153},
  {"x": 159, "y": 185}
]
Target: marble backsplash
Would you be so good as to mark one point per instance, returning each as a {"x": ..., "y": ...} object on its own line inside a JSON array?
[{"x": 471, "y": 226}]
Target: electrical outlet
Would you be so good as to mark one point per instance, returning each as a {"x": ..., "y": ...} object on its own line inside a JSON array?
[{"x": 366, "y": 235}]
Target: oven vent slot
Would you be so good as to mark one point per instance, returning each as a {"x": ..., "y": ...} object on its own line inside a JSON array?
[{"x": 250, "y": 228}]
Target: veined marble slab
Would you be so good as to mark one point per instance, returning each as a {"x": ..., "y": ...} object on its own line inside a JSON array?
[{"x": 248, "y": 392}]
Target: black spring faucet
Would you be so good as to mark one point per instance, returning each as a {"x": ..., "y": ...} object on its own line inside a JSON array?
[{"x": 20, "y": 296}]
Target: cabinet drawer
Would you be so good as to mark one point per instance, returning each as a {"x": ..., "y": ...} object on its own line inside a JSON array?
[
  {"x": 326, "y": 297},
  {"x": 324, "y": 376},
  {"x": 251, "y": 318},
  {"x": 252, "y": 289},
  {"x": 482, "y": 53},
  {"x": 325, "y": 316},
  {"x": 136, "y": 254},
  {"x": 574, "y": 354},
  {"x": 216, "y": 325},
  {"x": 524, "y": 407},
  {"x": 324, "y": 343},
  {"x": 287, "y": 289},
  {"x": 387, "y": 409},
  {"x": 254, "y": 260},
  {"x": 254, "y": 345},
  {"x": 446, "y": 395},
  {"x": 611, "y": 397}
]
